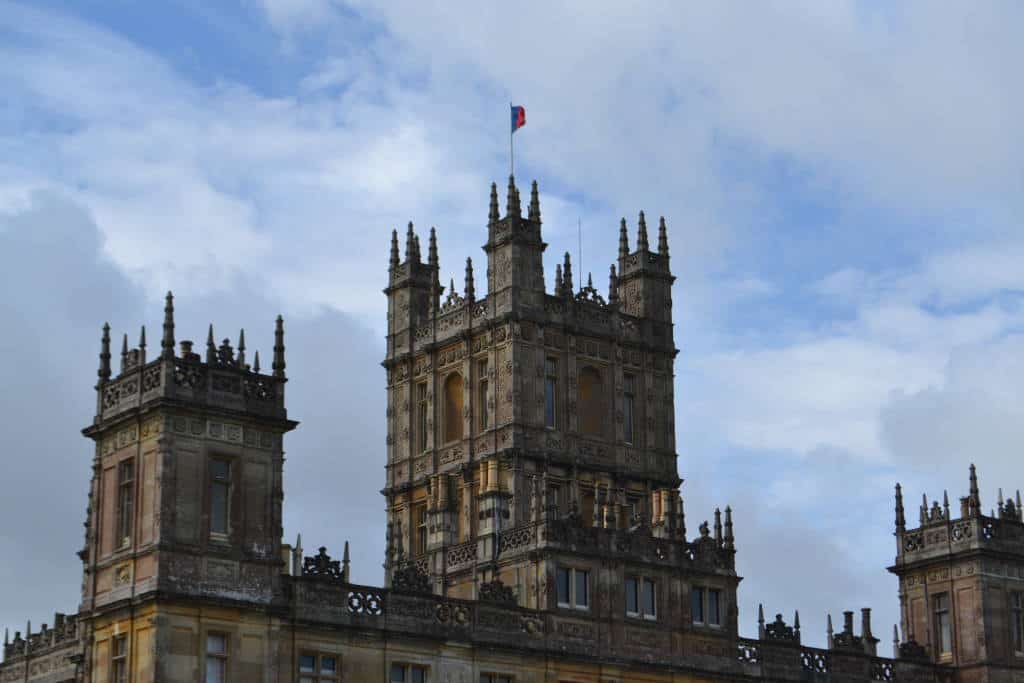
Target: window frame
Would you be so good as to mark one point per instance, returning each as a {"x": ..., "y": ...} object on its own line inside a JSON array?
[
  {"x": 697, "y": 601},
  {"x": 629, "y": 408},
  {"x": 638, "y": 585},
  {"x": 407, "y": 669},
  {"x": 226, "y": 482},
  {"x": 942, "y": 623},
  {"x": 551, "y": 392},
  {"x": 714, "y": 616},
  {"x": 419, "y": 523},
  {"x": 592, "y": 410},
  {"x": 223, "y": 656},
  {"x": 572, "y": 601},
  {"x": 119, "y": 659},
  {"x": 491, "y": 677},
  {"x": 483, "y": 395},
  {"x": 1017, "y": 622},
  {"x": 317, "y": 675},
  {"x": 125, "y": 502},
  {"x": 459, "y": 433}
]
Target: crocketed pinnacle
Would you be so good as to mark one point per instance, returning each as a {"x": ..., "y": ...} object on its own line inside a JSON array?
[
  {"x": 211, "y": 346},
  {"x": 394, "y": 250},
  {"x": 558, "y": 279},
  {"x": 493, "y": 216},
  {"x": 432, "y": 248},
  {"x": 567, "y": 276},
  {"x": 613, "y": 285},
  {"x": 901, "y": 520},
  {"x": 623, "y": 240},
  {"x": 410, "y": 244},
  {"x": 642, "y": 243},
  {"x": 534, "y": 212},
  {"x": 278, "y": 364},
  {"x": 662, "y": 237},
  {"x": 241, "y": 348},
  {"x": 512, "y": 201},
  {"x": 470, "y": 287},
  {"x": 167, "y": 342},
  {"x": 104, "y": 371},
  {"x": 124, "y": 351}
]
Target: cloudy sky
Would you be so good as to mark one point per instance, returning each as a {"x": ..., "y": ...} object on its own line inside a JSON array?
[{"x": 840, "y": 180}]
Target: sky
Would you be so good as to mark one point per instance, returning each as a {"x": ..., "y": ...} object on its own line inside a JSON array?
[{"x": 840, "y": 181}]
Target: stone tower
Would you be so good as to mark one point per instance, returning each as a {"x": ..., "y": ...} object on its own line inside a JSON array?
[
  {"x": 531, "y": 450},
  {"x": 186, "y": 493},
  {"x": 962, "y": 585}
]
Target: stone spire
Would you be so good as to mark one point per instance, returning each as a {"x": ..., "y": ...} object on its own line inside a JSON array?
[
  {"x": 211, "y": 347},
  {"x": 558, "y": 279},
  {"x": 432, "y": 249},
  {"x": 760, "y": 621},
  {"x": 256, "y": 363},
  {"x": 493, "y": 216},
  {"x": 416, "y": 246},
  {"x": 718, "y": 526},
  {"x": 895, "y": 642},
  {"x": 167, "y": 343},
  {"x": 730, "y": 540},
  {"x": 613, "y": 286},
  {"x": 662, "y": 237},
  {"x": 124, "y": 352},
  {"x": 278, "y": 364},
  {"x": 796, "y": 624},
  {"x": 829, "y": 632},
  {"x": 394, "y": 250},
  {"x": 104, "y": 371},
  {"x": 410, "y": 244},
  {"x": 945, "y": 503},
  {"x": 567, "y": 276},
  {"x": 901, "y": 520},
  {"x": 974, "y": 496},
  {"x": 534, "y": 212},
  {"x": 512, "y": 202},
  {"x": 241, "y": 348},
  {"x": 470, "y": 287},
  {"x": 435, "y": 265},
  {"x": 642, "y": 243},
  {"x": 142, "y": 345},
  {"x": 623, "y": 240},
  {"x": 345, "y": 564}
]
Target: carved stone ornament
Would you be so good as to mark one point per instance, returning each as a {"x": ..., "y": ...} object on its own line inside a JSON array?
[
  {"x": 779, "y": 630},
  {"x": 411, "y": 579},
  {"x": 321, "y": 566},
  {"x": 497, "y": 592}
]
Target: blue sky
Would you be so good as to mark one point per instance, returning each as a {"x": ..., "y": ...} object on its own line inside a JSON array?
[{"x": 840, "y": 180}]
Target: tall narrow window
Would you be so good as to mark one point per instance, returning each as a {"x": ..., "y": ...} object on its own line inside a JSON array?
[
  {"x": 714, "y": 607},
  {"x": 632, "y": 597},
  {"x": 419, "y": 514},
  {"x": 421, "y": 417},
  {"x": 408, "y": 673},
  {"x": 125, "y": 501},
  {"x": 453, "y": 407},
  {"x": 220, "y": 496},
  {"x": 1017, "y": 621},
  {"x": 943, "y": 627},
  {"x": 550, "y": 392},
  {"x": 628, "y": 406},
  {"x": 482, "y": 395},
  {"x": 119, "y": 660},
  {"x": 697, "y": 605},
  {"x": 573, "y": 587},
  {"x": 647, "y": 599},
  {"x": 216, "y": 658},
  {"x": 591, "y": 403}
]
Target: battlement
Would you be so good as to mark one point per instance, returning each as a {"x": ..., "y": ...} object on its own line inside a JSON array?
[
  {"x": 221, "y": 379},
  {"x": 940, "y": 533},
  {"x": 65, "y": 632}
]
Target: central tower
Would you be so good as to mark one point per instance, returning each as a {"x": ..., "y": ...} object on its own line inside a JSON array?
[{"x": 531, "y": 447}]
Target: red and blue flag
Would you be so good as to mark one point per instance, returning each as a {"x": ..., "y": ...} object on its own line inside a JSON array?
[{"x": 518, "y": 118}]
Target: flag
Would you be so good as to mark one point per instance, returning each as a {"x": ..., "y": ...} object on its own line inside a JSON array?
[{"x": 518, "y": 118}]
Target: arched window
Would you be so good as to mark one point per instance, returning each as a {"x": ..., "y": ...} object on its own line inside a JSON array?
[
  {"x": 453, "y": 407},
  {"x": 591, "y": 403}
]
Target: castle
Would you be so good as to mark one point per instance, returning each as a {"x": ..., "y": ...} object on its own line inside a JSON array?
[{"x": 535, "y": 529}]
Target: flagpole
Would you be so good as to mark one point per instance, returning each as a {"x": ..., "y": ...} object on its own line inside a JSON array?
[{"x": 511, "y": 151}]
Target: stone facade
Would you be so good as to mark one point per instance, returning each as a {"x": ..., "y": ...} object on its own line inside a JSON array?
[{"x": 536, "y": 531}]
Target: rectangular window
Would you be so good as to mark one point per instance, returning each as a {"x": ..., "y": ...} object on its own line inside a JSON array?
[
  {"x": 943, "y": 629},
  {"x": 482, "y": 394},
  {"x": 119, "y": 660},
  {"x": 697, "y": 605},
  {"x": 640, "y": 600},
  {"x": 408, "y": 673},
  {"x": 216, "y": 658},
  {"x": 125, "y": 501},
  {"x": 318, "y": 668},
  {"x": 714, "y": 607},
  {"x": 628, "y": 406},
  {"x": 220, "y": 496},
  {"x": 1017, "y": 621},
  {"x": 573, "y": 588},
  {"x": 550, "y": 392},
  {"x": 495, "y": 678},
  {"x": 419, "y": 515},
  {"x": 421, "y": 417}
]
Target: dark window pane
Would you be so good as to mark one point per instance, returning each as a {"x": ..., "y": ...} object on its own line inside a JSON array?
[
  {"x": 697, "y": 605},
  {"x": 397, "y": 673},
  {"x": 582, "y": 592},
  {"x": 328, "y": 665},
  {"x": 714, "y": 600},
  {"x": 219, "y": 508},
  {"x": 648, "y": 598},
  {"x": 219, "y": 469},
  {"x": 418, "y": 675},
  {"x": 563, "y": 586},
  {"x": 631, "y": 598},
  {"x": 307, "y": 664}
]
